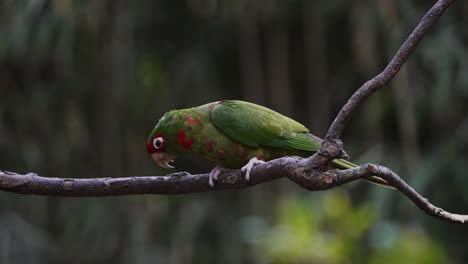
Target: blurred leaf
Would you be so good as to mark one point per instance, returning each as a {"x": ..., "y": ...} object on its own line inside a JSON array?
[
  {"x": 412, "y": 247},
  {"x": 329, "y": 233}
]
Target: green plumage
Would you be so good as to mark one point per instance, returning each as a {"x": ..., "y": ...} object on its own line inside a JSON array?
[
  {"x": 256, "y": 126},
  {"x": 231, "y": 132}
]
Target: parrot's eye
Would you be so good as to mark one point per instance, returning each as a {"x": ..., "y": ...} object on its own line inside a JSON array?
[{"x": 158, "y": 142}]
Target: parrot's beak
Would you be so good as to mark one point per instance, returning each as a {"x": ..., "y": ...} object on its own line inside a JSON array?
[{"x": 162, "y": 160}]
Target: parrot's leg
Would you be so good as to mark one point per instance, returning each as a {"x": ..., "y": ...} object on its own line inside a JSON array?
[
  {"x": 214, "y": 175},
  {"x": 248, "y": 167}
]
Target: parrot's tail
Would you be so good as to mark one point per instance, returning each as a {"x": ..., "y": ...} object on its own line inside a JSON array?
[{"x": 344, "y": 164}]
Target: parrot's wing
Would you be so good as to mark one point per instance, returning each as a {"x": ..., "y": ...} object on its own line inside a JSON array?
[{"x": 255, "y": 125}]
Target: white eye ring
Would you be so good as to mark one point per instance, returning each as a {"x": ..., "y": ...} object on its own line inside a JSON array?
[{"x": 158, "y": 142}]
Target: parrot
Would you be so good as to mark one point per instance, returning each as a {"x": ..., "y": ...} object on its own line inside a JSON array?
[{"x": 234, "y": 134}]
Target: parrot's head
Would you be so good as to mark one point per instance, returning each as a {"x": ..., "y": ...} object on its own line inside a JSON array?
[{"x": 158, "y": 145}]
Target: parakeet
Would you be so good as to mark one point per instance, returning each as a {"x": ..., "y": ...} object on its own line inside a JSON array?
[{"x": 233, "y": 134}]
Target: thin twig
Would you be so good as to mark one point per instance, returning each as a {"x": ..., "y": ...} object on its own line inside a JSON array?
[{"x": 395, "y": 180}]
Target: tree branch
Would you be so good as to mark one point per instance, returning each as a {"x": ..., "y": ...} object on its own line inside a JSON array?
[
  {"x": 379, "y": 81},
  {"x": 180, "y": 183},
  {"x": 310, "y": 173},
  {"x": 177, "y": 183}
]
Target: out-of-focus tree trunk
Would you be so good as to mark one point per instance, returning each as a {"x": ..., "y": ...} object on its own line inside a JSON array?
[
  {"x": 318, "y": 97},
  {"x": 404, "y": 97},
  {"x": 250, "y": 51},
  {"x": 277, "y": 66},
  {"x": 114, "y": 80},
  {"x": 364, "y": 50}
]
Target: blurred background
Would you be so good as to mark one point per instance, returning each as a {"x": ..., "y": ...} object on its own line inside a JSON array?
[{"x": 82, "y": 83}]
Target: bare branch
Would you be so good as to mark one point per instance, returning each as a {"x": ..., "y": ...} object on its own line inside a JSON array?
[
  {"x": 367, "y": 170},
  {"x": 180, "y": 183},
  {"x": 379, "y": 81},
  {"x": 177, "y": 183}
]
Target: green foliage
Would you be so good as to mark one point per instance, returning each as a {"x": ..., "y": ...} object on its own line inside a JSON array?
[
  {"x": 331, "y": 229},
  {"x": 325, "y": 230},
  {"x": 412, "y": 246}
]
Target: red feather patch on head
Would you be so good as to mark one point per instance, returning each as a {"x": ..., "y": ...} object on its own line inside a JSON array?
[
  {"x": 150, "y": 146},
  {"x": 180, "y": 139}
]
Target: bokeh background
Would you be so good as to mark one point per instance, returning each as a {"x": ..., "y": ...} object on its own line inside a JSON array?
[{"x": 82, "y": 83}]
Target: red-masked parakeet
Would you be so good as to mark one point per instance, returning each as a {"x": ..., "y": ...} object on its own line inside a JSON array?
[{"x": 233, "y": 134}]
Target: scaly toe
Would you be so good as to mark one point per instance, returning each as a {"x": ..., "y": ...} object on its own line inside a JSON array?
[
  {"x": 248, "y": 167},
  {"x": 214, "y": 175}
]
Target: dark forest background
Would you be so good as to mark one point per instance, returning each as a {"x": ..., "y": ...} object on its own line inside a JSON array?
[{"x": 82, "y": 83}]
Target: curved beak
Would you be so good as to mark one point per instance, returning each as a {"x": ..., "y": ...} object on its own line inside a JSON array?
[{"x": 162, "y": 160}]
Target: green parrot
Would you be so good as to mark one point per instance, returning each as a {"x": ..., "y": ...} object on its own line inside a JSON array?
[{"x": 233, "y": 134}]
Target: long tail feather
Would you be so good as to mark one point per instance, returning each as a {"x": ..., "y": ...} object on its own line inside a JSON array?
[{"x": 344, "y": 164}]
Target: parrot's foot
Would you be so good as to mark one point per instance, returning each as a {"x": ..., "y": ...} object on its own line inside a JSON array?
[
  {"x": 214, "y": 175},
  {"x": 248, "y": 167}
]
